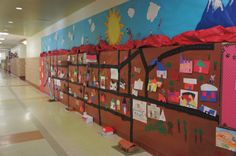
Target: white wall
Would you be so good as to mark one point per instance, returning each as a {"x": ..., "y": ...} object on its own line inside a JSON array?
[
  {"x": 34, "y": 42},
  {"x": 20, "y": 50}
]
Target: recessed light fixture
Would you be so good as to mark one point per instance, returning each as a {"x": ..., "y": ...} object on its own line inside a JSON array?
[
  {"x": 19, "y": 8},
  {"x": 2, "y": 39},
  {"x": 3, "y": 33},
  {"x": 10, "y": 22},
  {"x": 24, "y": 42},
  {"x": 0, "y": 42}
]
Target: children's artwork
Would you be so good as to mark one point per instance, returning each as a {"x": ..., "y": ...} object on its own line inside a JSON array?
[
  {"x": 208, "y": 93},
  {"x": 114, "y": 74},
  {"x": 118, "y": 105},
  {"x": 226, "y": 139},
  {"x": 124, "y": 106},
  {"x": 134, "y": 92},
  {"x": 92, "y": 97},
  {"x": 91, "y": 58},
  {"x": 154, "y": 112},
  {"x": 173, "y": 97},
  {"x": 162, "y": 117},
  {"x": 152, "y": 85},
  {"x": 61, "y": 95},
  {"x": 212, "y": 79},
  {"x": 186, "y": 66},
  {"x": 159, "y": 83},
  {"x": 103, "y": 98},
  {"x": 113, "y": 104},
  {"x": 103, "y": 82},
  {"x": 161, "y": 98},
  {"x": 140, "y": 110},
  {"x": 122, "y": 84},
  {"x": 137, "y": 70},
  {"x": 189, "y": 83},
  {"x": 138, "y": 85},
  {"x": 113, "y": 85},
  {"x": 201, "y": 66},
  {"x": 208, "y": 110},
  {"x": 161, "y": 70},
  {"x": 188, "y": 98}
]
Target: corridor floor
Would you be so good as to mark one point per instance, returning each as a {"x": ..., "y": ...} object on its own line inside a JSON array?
[{"x": 31, "y": 126}]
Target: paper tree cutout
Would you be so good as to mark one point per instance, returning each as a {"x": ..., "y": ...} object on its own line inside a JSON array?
[{"x": 162, "y": 117}]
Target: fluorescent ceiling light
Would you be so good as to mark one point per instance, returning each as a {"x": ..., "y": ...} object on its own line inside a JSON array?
[
  {"x": 3, "y": 33},
  {"x": 19, "y": 8},
  {"x": 2, "y": 39},
  {"x": 24, "y": 42},
  {"x": 10, "y": 22}
]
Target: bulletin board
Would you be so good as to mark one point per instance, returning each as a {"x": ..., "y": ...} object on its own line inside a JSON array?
[{"x": 156, "y": 97}]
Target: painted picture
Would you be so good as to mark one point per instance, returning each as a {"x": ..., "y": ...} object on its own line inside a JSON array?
[
  {"x": 186, "y": 66},
  {"x": 226, "y": 139},
  {"x": 140, "y": 110},
  {"x": 103, "y": 82},
  {"x": 173, "y": 97},
  {"x": 189, "y": 98},
  {"x": 201, "y": 66},
  {"x": 154, "y": 112},
  {"x": 161, "y": 70},
  {"x": 208, "y": 93}
]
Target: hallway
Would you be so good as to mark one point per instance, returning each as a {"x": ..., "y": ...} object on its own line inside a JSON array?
[{"x": 30, "y": 125}]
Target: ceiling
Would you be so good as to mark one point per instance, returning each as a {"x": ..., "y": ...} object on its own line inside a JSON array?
[{"x": 35, "y": 15}]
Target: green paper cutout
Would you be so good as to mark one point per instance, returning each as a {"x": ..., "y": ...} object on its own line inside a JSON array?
[
  {"x": 171, "y": 83},
  {"x": 132, "y": 75},
  {"x": 201, "y": 78},
  {"x": 200, "y": 63},
  {"x": 169, "y": 65},
  {"x": 215, "y": 65}
]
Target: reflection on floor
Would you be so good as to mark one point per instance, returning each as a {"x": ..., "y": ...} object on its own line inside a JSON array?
[{"x": 31, "y": 126}]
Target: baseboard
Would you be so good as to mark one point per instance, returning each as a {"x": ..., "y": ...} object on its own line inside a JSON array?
[{"x": 34, "y": 85}]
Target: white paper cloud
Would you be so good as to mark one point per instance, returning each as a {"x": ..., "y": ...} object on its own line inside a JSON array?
[
  {"x": 90, "y": 21},
  {"x": 82, "y": 40},
  {"x": 153, "y": 10},
  {"x": 56, "y": 36},
  {"x": 131, "y": 12},
  {"x": 70, "y": 36},
  {"x": 92, "y": 27}
]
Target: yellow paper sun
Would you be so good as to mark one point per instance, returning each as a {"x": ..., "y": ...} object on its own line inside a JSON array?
[{"x": 113, "y": 33}]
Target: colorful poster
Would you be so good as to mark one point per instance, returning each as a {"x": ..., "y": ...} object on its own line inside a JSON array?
[
  {"x": 188, "y": 98},
  {"x": 201, "y": 66},
  {"x": 140, "y": 110},
  {"x": 226, "y": 139}
]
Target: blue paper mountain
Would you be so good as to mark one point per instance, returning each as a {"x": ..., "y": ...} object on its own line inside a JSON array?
[{"x": 216, "y": 14}]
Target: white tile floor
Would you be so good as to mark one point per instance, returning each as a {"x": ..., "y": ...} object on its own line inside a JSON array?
[{"x": 23, "y": 108}]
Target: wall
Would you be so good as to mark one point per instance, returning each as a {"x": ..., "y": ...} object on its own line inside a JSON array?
[
  {"x": 20, "y": 50},
  {"x": 143, "y": 18},
  {"x": 34, "y": 42},
  {"x": 32, "y": 70}
]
